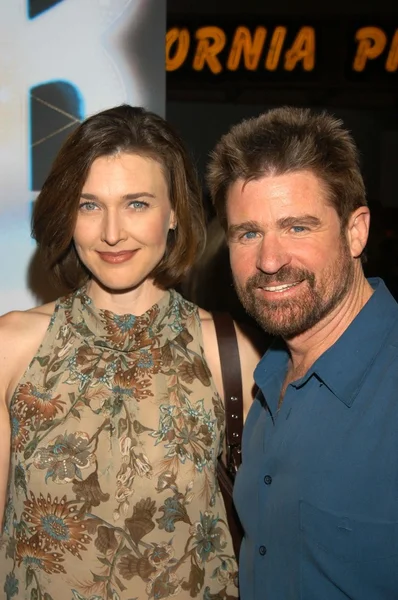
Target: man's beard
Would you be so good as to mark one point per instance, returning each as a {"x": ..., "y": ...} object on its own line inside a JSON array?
[{"x": 293, "y": 316}]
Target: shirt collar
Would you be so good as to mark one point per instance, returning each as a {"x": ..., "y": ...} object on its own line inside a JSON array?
[{"x": 343, "y": 367}]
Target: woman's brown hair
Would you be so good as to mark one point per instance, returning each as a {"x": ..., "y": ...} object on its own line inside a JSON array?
[{"x": 123, "y": 129}]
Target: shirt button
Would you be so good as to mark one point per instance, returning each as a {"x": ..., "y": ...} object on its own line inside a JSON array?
[
  {"x": 262, "y": 550},
  {"x": 268, "y": 480}
]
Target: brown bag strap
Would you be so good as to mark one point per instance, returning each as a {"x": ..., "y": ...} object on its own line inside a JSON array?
[{"x": 232, "y": 383}]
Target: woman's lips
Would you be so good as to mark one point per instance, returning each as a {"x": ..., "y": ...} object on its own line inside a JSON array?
[{"x": 117, "y": 257}]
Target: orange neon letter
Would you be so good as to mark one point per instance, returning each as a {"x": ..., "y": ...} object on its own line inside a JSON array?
[
  {"x": 275, "y": 48},
  {"x": 211, "y": 40},
  {"x": 303, "y": 48},
  {"x": 250, "y": 48},
  {"x": 180, "y": 37},
  {"x": 392, "y": 58},
  {"x": 372, "y": 41}
]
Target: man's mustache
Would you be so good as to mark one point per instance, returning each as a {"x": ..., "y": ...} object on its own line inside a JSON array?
[{"x": 285, "y": 275}]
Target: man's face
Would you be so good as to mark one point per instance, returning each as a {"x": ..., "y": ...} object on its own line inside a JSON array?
[{"x": 291, "y": 262}]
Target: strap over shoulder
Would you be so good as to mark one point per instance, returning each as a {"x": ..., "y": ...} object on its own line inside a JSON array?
[{"x": 232, "y": 383}]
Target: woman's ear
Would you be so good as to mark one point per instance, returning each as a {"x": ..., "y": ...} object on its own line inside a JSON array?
[
  {"x": 358, "y": 230},
  {"x": 173, "y": 220}
]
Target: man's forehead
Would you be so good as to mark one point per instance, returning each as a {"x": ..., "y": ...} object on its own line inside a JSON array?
[
  {"x": 292, "y": 191},
  {"x": 304, "y": 178},
  {"x": 279, "y": 201}
]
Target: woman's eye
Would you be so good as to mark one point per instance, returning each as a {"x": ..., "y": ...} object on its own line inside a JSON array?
[
  {"x": 138, "y": 205},
  {"x": 89, "y": 206}
]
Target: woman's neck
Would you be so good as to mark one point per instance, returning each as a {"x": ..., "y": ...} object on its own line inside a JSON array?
[{"x": 134, "y": 301}]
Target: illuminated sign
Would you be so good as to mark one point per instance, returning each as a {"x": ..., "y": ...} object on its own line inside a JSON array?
[
  {"x": 245, "y": 47},
  {"x": 281, "y": 51},
  {"x": 371, "y": 44}
]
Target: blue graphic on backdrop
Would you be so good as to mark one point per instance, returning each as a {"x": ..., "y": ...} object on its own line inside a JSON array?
[
  {"x": 63, "y": 60},
  {"x": 56, "y": 108},
  {"x": 37, "y": 7}
]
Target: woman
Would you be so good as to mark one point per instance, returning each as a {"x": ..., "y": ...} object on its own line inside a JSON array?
[{"x": 114, "y": 391}]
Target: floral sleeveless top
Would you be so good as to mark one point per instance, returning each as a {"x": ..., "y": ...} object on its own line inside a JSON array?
[{"x": 116, "y": 430}]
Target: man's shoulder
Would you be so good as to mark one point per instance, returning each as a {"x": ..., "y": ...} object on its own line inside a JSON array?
[
  {"x": 390, "y": 343},
  {"x": 383, "y": 362}
]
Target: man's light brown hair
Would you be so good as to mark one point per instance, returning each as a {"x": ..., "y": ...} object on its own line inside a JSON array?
[{"x": 287, "y": 140}]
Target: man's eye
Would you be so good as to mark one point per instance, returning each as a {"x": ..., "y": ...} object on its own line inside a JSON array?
[
  {"x": 249, "y": 235},
  {"x": 298, "y": 228}
]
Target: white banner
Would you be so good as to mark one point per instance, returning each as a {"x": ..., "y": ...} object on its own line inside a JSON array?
[{"x": 60, "y": 61}]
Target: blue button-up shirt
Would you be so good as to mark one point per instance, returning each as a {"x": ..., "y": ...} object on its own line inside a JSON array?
[{"x": 317, "y": 492}]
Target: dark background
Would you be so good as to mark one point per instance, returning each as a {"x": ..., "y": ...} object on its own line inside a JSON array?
[{"x": 203, "y": 106}]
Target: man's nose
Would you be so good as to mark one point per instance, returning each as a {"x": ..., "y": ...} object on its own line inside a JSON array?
[{"x": 273, "y": 254}]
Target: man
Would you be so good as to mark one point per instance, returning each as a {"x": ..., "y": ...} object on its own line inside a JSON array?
[{"x": 317, "y": 493}]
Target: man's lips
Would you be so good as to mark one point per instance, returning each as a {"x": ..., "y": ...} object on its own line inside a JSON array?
[
  {"x": 282, "y": 287},
  {"x": 117, "y": 257}
]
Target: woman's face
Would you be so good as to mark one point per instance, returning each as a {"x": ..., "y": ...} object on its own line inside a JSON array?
[{"x": 123, "y": 220}]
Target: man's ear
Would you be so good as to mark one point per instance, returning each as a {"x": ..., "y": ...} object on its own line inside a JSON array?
[{"x": 358, "y": 230}]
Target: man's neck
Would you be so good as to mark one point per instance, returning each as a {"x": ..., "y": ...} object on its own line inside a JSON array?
[{"x": 306, "y": 348}]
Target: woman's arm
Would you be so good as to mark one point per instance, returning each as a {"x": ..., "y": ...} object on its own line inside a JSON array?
[
  {"x": 7, "y": 351},
  {"x": 5, "y": 444},
  {"x": 20, "y": 336}
]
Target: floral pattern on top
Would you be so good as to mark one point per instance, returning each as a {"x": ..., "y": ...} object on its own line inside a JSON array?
[{"x": 116, "y": 431}]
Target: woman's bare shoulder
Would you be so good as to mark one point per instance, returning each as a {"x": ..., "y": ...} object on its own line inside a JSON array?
[
  {"x": 22, "y": 331},
  {"x": 249, "y": 338},
  {"x": 25, "y": 322},
  {"x": 208, "y": 330},
  {"x": 252, "y": 343},
  {"x": 204, "y": 315},
  {"x": 21, "y": 334}
]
